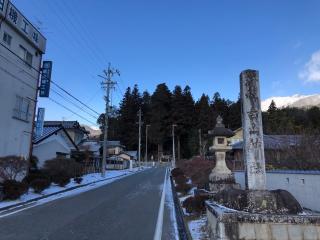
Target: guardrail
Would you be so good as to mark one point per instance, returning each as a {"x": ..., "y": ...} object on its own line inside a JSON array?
[{"x": 183, "y": 229}]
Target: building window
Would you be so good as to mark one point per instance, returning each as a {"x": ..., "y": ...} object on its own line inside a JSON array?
[
  {"x": 25, "y": 26},
  {"x": 220, "y": 140},
  {"x": 7, "y": 38},
  {"x": 1, "y": 5},
  {"x": 26, "y": 56},
  {"x": 21, "y": 110}
]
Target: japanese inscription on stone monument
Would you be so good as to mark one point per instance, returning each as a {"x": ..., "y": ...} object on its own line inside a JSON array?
[{"x": 253, "y": 148}]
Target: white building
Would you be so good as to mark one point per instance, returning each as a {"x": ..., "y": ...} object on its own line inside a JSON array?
[
  {"x": 55, "y": 141},
  {"x": 21, "y": 50}
]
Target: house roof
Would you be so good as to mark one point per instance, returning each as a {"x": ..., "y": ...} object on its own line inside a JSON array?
[
  {"x": 113, "y": 144},
  {"x": 49, "y": 131},
  {"x": 66, "y": 125},
  {"x": 132, "y": 153},
  {"x": 275, "y": 142}
]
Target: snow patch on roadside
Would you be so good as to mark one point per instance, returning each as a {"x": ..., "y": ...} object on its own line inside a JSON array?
[
  {"x": 197, "y": 228},
  {"x": 89, "y": 178},
  {"x": 170, "y": 204}
]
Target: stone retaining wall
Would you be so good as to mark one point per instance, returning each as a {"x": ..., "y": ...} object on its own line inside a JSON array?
[{"x": 227, "y": 224}]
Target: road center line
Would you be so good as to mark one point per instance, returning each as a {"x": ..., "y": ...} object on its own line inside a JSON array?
[{"x": 158, "y": 232}]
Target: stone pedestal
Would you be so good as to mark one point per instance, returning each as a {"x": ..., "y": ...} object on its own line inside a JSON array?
[
  {"x": 221, "y": 176},
  {"x": 228, "y": 224}
]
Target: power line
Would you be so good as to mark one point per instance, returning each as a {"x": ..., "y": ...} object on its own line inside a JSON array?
[
  {"x": 69, "y": 94},
  {"x": 77, "y": 106},
  {"x": 61, "y": 105},
  {"x": 70, "y": 28},
  {"x": 62, "y": 89}
]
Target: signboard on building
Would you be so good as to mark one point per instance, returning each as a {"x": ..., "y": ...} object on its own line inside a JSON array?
[
  {"x": 19, "y": 22},
  {"x": 40, "y": 122},
  {"x": 45, "y": 78},
  {"x": 3, "y": 5}
]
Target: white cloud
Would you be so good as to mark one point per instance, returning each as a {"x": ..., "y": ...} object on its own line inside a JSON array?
[{"x": 311, "y": 71}]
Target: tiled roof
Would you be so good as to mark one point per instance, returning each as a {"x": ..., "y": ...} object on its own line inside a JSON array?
[
  {"x": 47, "y": 131},
  {"x": 66, "y": 125},
  {"x": 275, "y": 141}
]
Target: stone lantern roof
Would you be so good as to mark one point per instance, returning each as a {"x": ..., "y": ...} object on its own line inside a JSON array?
[{"x": 220, "y": 129}]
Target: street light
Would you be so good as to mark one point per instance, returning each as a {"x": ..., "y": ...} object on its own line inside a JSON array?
[{"x": 146, "y": 154}]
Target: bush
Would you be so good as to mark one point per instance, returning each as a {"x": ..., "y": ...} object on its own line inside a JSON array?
[
  {"x": 61, "y": 170},
  {"x": 195, "y": 204},
  {"x": 176, "y": 172},
  {"x": 40, "y": 184},
  {"x": 61, "y": 178},
  {"x": 198, "y": 170},
  {"x": 180, "y": 179},
  {"x": 78, "y": 180},
  {"x": 183, "y": 188},
  {"x": 33, "y": 163},
  {"x": 35, "y": 175},
  {"x": 12, "y": 167},
  {"x": 13, "y": 189}
]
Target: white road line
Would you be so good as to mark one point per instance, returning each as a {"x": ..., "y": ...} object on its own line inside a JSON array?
[{"x": 158, "y": 232}]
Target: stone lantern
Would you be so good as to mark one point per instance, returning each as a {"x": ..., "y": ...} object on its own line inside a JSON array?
[{"x": 221, "y": 176}]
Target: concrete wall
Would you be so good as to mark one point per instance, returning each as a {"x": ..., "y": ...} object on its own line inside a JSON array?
[
  {"x": 16, "y": 79},
  {"x": 303, "y": 185}
]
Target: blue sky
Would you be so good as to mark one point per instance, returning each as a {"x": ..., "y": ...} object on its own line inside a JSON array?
[{"x": 204, "y": 44}]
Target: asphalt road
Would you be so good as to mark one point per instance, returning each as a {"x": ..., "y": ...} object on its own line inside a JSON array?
[{"x": 125, "y": 209}]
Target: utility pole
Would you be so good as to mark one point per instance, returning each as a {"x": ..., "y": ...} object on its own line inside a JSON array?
[
  {"x": 107, "y": 84},
  {"x": 146, "y": 154},
  {"x": 140, "y": 124},
  {"x": 173, "y": 148},
  {"x": 200, "y": 143}
]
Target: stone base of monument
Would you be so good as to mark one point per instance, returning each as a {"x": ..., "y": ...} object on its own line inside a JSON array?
[
  {"x": 216, "y": 187},
  {"x": 255, "y": 201},
  {"x": 222, "y": 181},
  {"x": 265, "y": 215}
]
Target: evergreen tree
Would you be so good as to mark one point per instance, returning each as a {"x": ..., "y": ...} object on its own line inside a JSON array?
[
  {"x": 160, "y": 116},
  {"x": 183, "y": 116},
  {"x": 128, "y": 128},
  {"x": 220, "y": 106},
  {"x": 234, "y": 116}
]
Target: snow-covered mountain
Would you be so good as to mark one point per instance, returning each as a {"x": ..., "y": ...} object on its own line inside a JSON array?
[
  {"x": 292, "y": 101},
  {"x": 94, "y": 131}
]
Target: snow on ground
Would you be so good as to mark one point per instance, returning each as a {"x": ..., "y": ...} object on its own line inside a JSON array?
[
  {"x": 197, "y": 228},
  {"x": 89, "y": 178},
  {"x": 170, "y": 204}
]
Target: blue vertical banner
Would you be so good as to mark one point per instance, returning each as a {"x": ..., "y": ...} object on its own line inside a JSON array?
[
  {"x": 45, "y": 79},
  {"x": 40, "y": 122}
]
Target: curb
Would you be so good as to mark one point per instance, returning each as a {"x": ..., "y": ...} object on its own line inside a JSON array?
[
  {"x": 183, "y": 229},
  {"x": 18, "y": 205}
]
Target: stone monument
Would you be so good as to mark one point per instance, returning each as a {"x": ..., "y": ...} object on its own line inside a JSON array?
[
  {"x": 253, "y": 150},
  {"x": 221, "y": 176},
  {"x": 257, "y": 213}
]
